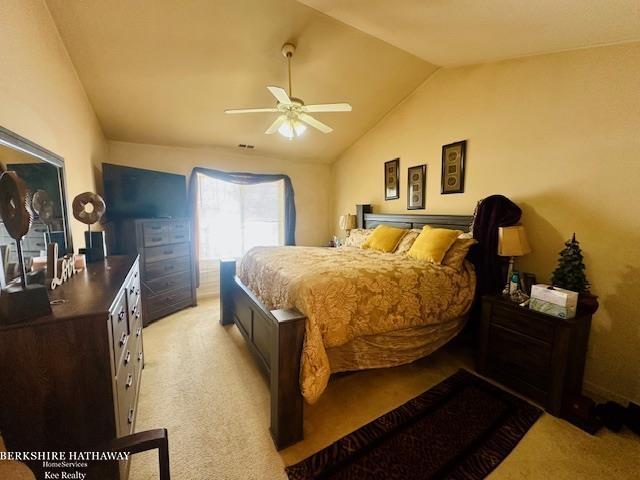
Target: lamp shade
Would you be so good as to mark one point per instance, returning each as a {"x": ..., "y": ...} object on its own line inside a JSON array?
[
  {"x": 512, "y": 241},
  {"x": 347, "y": 222}
]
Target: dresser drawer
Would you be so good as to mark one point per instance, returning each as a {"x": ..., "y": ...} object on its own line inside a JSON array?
[
  {"x": 133, "y": 289},
  {"x": 519, "y": 356},
  {"x": 155, "y": 254},
  {"x": 119, "y": 327},
  {"x": 158, "y": 238},
  {"x": 180, "y": 227},
  {"x": 169, "y": 282},
  {"x": 166, "y": 267},
  {"x": 169, "y": 298},
  {"x": 153, "y": 228},
  {"x": 34, "y": 244},
  {"x": 126, "y": 392},
  {"x": 135, "y": 317},
  {"x": 178, "y": 237},
  {"x": 523, "y": 323}
]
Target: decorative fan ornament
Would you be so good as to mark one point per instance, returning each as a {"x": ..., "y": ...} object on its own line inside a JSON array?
[
  {"x": 294, "y": 114},
  {"x": 15, "y": 208},
  {"x": 92, "y": 215},
  {"x": 19, "y": 302},
  {"x": 42, "y": 206}
]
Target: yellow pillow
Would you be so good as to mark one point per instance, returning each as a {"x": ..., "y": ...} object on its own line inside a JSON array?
[
  {"x": 432, "y": 244},
  {"x": 384, "y": 238}
]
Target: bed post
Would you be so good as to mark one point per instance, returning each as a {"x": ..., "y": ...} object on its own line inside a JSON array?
[
  {"x": 360, "y": 211},
  {"x": 227, "y": 284},
  {"x": 286, "y": 399}
]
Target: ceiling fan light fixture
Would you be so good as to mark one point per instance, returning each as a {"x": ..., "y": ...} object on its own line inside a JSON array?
[{"x": 292, "y": 128}]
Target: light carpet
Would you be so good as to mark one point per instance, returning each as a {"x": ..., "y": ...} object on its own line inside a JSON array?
[{"x": 201, "y": 384}]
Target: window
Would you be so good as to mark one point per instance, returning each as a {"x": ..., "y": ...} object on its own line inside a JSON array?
[{"x": 235, "y": 218}]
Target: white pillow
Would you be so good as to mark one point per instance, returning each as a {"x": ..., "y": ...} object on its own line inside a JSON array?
[{"x": 357, "y": 236}]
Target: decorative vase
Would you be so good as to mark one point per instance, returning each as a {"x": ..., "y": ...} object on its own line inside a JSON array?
[{"x": 588, "y": 303}]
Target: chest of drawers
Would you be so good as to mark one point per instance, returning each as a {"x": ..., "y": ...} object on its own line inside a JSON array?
[
  {"x": 166, "y": 262},
  {"x": 70, "y": 381}
]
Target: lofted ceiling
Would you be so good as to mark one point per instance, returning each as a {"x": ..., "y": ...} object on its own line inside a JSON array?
[
  {"x": 163, "y": 71},
  {"x": 457, "y": 32}
]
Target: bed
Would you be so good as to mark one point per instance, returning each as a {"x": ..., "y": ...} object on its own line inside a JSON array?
[{"x": 362, "y": 309}]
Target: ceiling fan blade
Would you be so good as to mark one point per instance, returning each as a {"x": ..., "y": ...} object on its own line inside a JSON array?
[
  {"x": 275, "y": 125},
  {"x": 251, "y": 110},
  {"x": 280, "y": 95},
  {"x": 308, "y": 119},
  {"x": 327, "y": 107}
]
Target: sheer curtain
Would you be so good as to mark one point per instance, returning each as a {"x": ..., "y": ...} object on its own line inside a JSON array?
[{"x": 233, "y": 218}]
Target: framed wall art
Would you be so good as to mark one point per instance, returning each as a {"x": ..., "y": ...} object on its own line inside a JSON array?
[
  {"x": 453, "y": 159},
  {"x": 416, "y": 187},
  {"x": 392, "y": 179}
]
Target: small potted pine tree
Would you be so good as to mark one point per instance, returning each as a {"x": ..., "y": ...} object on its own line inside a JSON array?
[{"x": 570, "y": 275}]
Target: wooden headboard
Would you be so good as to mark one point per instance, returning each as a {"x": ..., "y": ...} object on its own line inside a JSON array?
[{"x": 366, "y": 219}]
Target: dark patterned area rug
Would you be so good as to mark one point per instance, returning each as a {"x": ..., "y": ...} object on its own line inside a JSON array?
[{"x": 460, "y": 429}]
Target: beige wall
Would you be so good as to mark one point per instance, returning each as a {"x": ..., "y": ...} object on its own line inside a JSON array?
[
  {"x": 560, "y": 135},
  {"x": 41, "y": 97},
  {"x": 311, "y": 181}
]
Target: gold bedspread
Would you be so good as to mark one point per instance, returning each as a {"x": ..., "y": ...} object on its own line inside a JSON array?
[{"x": 347, "y": 293}]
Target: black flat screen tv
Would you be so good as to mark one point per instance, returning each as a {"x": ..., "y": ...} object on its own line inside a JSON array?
[{"x": 137, "y": 193}]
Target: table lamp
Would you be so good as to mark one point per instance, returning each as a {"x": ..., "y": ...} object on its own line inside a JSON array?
[
  {"x": 512, "y": 242},
  {"x": 347, "y": 223}
]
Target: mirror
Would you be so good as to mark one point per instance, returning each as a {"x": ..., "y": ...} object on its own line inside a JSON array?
[{"x": 42, "y": 171}]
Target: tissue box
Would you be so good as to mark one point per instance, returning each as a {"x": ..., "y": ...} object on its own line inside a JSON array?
[{"x": 553, "y": 301}]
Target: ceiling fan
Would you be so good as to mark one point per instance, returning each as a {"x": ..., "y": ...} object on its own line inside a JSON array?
[{"x": 294, "y": 114}]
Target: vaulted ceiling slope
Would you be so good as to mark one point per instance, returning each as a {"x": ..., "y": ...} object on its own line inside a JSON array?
[
  {"x": 458, "y": 32},
  {"x": 163, "y": 71}
]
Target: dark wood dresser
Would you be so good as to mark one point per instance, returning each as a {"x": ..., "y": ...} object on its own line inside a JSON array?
[
  {"x": 166, "y": 262},
  {"x": 70, "y": 381},
  {"x": 538, "y": 355}
]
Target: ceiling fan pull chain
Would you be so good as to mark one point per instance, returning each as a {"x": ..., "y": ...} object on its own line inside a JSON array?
[{"x": 289, "y": 65}]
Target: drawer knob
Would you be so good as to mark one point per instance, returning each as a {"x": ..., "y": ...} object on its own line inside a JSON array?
[
  {"x": 129, "y": 381},
  {"x": 168, "y": 252},
  {"x": 138, "y": 331},
  {"x": 130, "y": 416},
  {"x": 132, "y": 290},
  {"x": 123, "y": 339},
  {"x": 140, "y": 357},
  {"x": 127, "y": 358},
  {"x": 121, "y": 315}
]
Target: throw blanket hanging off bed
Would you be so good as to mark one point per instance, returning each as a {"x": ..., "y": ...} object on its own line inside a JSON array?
[{"x": 491, "y": 213}]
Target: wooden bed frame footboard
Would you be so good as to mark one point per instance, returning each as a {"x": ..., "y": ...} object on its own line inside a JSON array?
[{"x": 275, "y": 338}]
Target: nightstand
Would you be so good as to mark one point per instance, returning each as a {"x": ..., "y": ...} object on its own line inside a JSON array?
[{"x": 537, "y": 355}]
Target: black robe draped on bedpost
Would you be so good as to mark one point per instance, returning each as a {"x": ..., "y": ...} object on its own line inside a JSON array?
[
  {"x": 491, "y": 213},
  {"x": 242, "y": 178}
]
